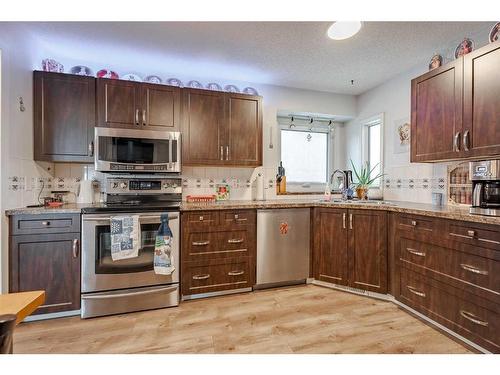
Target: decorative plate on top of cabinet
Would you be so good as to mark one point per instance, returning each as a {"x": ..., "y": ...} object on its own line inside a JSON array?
[
  {"x": 174, "y": 82},
  {"x": 495, "y": 33},
  {"x": 106, "y": 73},
  {"x": 50, "y": 65},
  {"x": 466, "y": 46},
  {"x": 82, "y": 70},
  {"x": 153, "y": 79},
  {"x": 250, "y": 91},
  {"x": 195, "y": 84},
  {"x": 131, "y": 77},
  {"x": 214, "y": 86},
  {"x": 231, "y": 88}
]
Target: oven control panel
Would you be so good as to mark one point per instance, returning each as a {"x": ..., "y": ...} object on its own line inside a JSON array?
[{"x": 143, "y": 186}]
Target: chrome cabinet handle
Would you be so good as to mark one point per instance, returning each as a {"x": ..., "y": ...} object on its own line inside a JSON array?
[
  {"x": 350, "y": 221},
  {"x": 343, "y": 220},
  {"x": 237, "y": 218},
  {"x": 456, "y": 142},
  {"x": 415, "y": 291},
  {"x": 415, "y": 252},
  {"x": 143, "y": 117},
  {"x": 137, "y": 116},
  {"x": 466, "y": 141},
  {"x": 46, "y": 223},
  {"x": 75, "y": 248},
  {"x": 91, "y": 148},
  {"x": 474, "y": 319},
  {"x": 201, "y": 218},
  {"x": 235, "y": 240},
  {"x": 201, "y": 277},
  {"x": 200, "y": 243},
  {"x": 414, "y": 223},
  {"x": 473, "y": 269},
  {"x": 471, "y": 233},
  {"x": 221, "y": 152},
  {"x": 227, "y": 152},
  {"x": 235, "y": 273}
]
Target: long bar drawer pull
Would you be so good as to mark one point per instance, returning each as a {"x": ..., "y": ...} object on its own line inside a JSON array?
[
  {"x": 473, "y": 269},
  {"x": 414, "y": 223},
  {"x": 201, "y": 243},
  {"x": 415, "y": 291},
  {"x": 46, "y": 223},
  {"x": 235, "y": 240},
  {"x": 471, "y": 233},
  {"x": 469, "y": 316},
  {"x": 201, "y": 277},
  {"x": 235, "y": 273},
  {"x": 415, "y": 252}
]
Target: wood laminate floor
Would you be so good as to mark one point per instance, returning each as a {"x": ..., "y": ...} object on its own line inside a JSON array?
[{"x": 303, "y": 319}]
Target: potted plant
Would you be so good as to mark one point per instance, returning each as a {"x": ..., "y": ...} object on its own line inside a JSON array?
[{"x": 364, "y": 179}]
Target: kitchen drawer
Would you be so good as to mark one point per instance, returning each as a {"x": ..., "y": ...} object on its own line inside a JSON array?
[
  {"x": 462, "y": 312},
  {"x": 45, "y": 224},
  {"x": 472, "y": 272},
  {"x": 234, "y": 219},
  {"x": 200, "y": 220},
  {"x": 199, "y": 244},
  {"x": 474, "y": 234},
  {"x": 419, "y": 225},
  {"x": 216, "y": 275},
  {"x": 234, "y": 243}
]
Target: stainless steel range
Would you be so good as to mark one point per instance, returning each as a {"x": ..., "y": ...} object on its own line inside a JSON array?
[{"x": 113, "y": 287}]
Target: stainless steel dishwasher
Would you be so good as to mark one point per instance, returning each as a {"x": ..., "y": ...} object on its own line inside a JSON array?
[{"x": 282, "y": 246}]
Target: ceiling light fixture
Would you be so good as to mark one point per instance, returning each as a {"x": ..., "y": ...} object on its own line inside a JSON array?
[{"x": 342, "y": 29}]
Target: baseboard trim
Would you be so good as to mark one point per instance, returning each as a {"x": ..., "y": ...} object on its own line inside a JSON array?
[
  {"x": 64, "y": 314},
  {"x": 361, "y": 292},
  {"x": 215, "y": 294}
]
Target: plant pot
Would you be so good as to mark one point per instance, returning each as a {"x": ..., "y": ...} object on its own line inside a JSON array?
[{"x": 362, "y": 192}]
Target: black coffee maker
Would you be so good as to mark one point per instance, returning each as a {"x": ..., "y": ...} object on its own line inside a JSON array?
[{"x": 485, "y": 176}]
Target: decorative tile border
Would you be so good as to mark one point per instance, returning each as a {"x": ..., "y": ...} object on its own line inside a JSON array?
[{"x": 425, "y": 183}]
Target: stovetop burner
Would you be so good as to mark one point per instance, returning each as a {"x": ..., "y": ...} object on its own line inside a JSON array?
[{"x": 132, "y": 208}]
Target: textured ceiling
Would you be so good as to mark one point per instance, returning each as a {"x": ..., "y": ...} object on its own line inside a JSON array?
[{"x": 294, "y": 54}]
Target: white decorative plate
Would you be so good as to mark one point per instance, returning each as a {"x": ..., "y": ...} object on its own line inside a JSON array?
[
  {"x": 174, "y": 82},
  {"x": 231, "y": 88},
  {"x": 131, "y": 77},
  {"x": 153, "y": 79},
  {"x": 81, "y": 70},
  {"x": 195, "y": 84},
  {"x": 214, "y": 86},
  {"x": 250, "y": 91}
]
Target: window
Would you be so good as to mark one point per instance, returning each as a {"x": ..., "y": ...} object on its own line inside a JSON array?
[
  {"x": 305, "y": 156},
  {"x": 372, "y": 146}
]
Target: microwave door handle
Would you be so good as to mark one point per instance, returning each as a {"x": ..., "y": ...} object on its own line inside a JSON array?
[{"x": 476, "y": 195}]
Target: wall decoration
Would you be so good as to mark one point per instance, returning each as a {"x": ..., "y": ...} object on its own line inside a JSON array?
[
  {"x": 50, "y": 65},
  {"x": 222, "y": 192},
  {"x": 82, "y": 70},
  {"x": 214, "y": 86},
  {"x": 495, "y": 33},
  {"x": 131, "y": 77},
  {"x": 401, "y": 135},
  {"x": 466, "y": 46},
  {"x": 436, "y": 62},
  {"x": 106, "y": 73},
  {"x": 153, "y": 79}
]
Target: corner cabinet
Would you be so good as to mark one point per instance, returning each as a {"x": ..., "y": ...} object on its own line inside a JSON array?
[
  {"x": 63, "y": 117},
  {"x": 135, "y": 105},
  {"x": 455, "y": 109},
  {"x": 221, "y": 129},
  {"x": 350, "y": 248}
]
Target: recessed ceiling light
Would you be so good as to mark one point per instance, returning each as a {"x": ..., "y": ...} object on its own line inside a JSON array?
[{"x": 342, "y": 30}]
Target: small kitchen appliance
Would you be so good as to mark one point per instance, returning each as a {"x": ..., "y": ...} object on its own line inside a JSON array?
[{"x": 485, "y": 176}]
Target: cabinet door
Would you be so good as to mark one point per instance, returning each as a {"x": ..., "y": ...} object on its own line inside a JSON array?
[
  {"x": 160, "y": 107},
  {"x": 368, "y": 250},
  {"x": 330, "y": 244},
  {"x": 64, "y": 117},
  {"x": 482, "y": 102},
  {"x": 49, "y": 262},
  {"x": 203, "y": 127},
  {"x": 436, "y": 114},
  {"x": 244, "y": 130},
  {"x": 118, "y": 103}
]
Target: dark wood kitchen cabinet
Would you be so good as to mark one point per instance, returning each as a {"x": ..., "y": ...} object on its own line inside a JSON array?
[
  {"x": 136, "y": 105},
  {"x": 63, "y": 117},
  {"x": 47, "y": 259},
  {"x": 221, "y": 129},
  {"x": 455, "y": 109},
  {"x": 436, "y": 113},
  {"x": 350, "y": 248},
  {"x": 481, "y": 129}
]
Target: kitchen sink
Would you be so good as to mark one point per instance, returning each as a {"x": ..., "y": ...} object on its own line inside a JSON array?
[{"x": 368, "y": 201}]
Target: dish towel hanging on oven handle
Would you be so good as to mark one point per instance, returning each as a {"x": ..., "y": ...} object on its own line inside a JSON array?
[
  {"x": 125, "y": 237},
  {"x": 163, "y": 259}
]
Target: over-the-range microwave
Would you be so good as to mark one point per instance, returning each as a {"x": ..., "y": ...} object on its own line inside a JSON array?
[{"x": 135, "y": 150}]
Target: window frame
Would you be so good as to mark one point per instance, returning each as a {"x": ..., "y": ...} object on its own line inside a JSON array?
[{"x": 365, "y": 144}]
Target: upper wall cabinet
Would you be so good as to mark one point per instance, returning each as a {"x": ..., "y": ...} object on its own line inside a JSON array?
[
  {"x": 64, "y": 117},
  {"x": 455, "y": 109},
  {"x": 126, "y": 104},
  {"x": 221, "y": 129}
]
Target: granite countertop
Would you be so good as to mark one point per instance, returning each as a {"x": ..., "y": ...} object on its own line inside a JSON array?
[{"x": 447, "y": 212}]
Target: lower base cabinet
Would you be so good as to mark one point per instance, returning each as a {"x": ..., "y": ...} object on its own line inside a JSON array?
[
  {"x": 350, "y": 248},
  {"x": 48, "y": 260}
]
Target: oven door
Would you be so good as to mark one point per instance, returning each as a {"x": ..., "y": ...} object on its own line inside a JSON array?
[
  {"x": 100, "y": 272},
  {"x": 133, "y": 150}
]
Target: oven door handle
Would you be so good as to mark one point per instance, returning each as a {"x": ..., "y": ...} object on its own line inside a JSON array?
[
  {"x": 107, "y": 219},
  {"x": 130, "y": 294}
]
